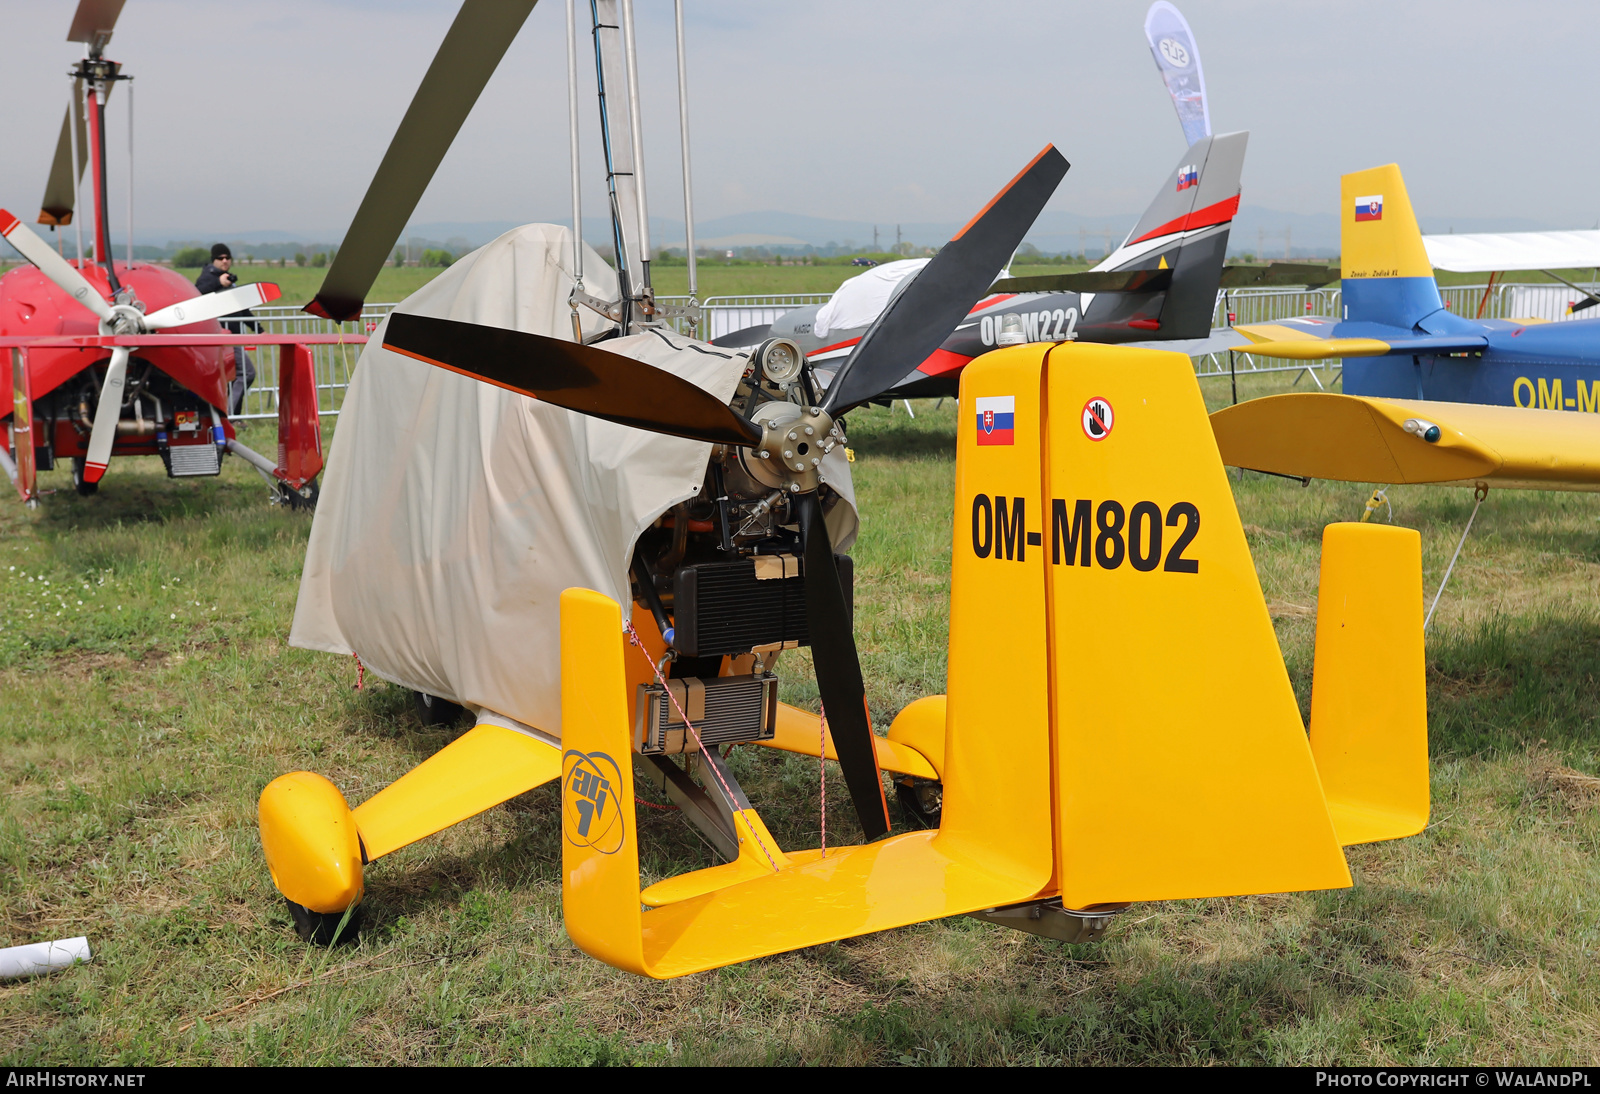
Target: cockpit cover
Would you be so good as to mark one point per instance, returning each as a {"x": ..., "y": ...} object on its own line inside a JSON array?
[
  {"x": 858, "y": 302},
  {"x": 453, "y": 513}
]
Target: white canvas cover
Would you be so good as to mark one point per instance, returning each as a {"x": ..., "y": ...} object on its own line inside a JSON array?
[
  {"x": 1486, "y": 252},
  {"x": 859, "y": 301},
  {"x": 454, "y": 513}
]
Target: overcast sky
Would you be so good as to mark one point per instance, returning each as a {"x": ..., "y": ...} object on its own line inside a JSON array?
[{"x": 274, "y": 115}]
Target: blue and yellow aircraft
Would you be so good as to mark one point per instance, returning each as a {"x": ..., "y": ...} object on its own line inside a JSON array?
[
  {"x": 1400, "y": 341},
  {"x": 1416, "y": 376}
]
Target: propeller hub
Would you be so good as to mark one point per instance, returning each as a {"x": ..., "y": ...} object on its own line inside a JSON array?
[
  {"x": 794, "y": 440},
  {"x": 124, "y": 319}
]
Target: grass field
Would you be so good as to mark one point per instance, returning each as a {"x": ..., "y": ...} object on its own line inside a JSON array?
[{"x": 147, "y": 695}]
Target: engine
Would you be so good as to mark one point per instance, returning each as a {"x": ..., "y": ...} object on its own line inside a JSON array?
[{"x": 724, "y": 572}]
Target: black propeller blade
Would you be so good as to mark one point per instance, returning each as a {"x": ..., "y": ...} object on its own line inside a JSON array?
[
  {"x": 567, "y": 374},
  {"x": 921, "y": 317},
  {"x": 478, "y": 38},
  {"x": 833, "y": 653}
]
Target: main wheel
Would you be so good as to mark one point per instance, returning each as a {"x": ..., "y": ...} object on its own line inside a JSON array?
[
  {"x": 322, "y": 928},
  {"x": 84, "y": 488},
  {"x": 435, "y": 711}
]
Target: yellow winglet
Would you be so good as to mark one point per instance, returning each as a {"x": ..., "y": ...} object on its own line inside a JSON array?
[{"x": 1351, "y": 438}]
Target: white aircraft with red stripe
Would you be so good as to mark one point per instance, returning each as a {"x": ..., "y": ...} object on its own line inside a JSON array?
[{"x": 1159, "y": 285}]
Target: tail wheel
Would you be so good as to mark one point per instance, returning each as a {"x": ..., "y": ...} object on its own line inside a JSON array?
[
  {"x": 84, "y": 489},
  {"x": 322, "y": 928},
  {"x": 434, "y": 711}
]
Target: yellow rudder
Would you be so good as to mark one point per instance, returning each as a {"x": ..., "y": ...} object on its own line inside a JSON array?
[
  {"x": 1182, "y": 765},
  {"x": 1369, "y": 707}
]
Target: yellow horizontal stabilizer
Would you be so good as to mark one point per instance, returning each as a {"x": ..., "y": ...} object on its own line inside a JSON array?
[
  {"x": 808, "y": 900},
  {"x": 1369, "y": 706},
  {"x": 798, "y": 731},
  {"x": 1361, "y": 439},
  {"x": 1306, "y": 347},
  {"x": 480, "y": 769}
]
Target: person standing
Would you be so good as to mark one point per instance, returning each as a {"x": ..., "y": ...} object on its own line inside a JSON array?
[{"x": 218, "y": 276}]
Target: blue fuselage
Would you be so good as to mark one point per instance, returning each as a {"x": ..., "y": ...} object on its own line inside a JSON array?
[{"x": 1550, "y": 366}]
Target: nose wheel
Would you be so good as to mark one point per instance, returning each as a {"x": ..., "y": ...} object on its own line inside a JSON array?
[{"x": 323, "y": 928}]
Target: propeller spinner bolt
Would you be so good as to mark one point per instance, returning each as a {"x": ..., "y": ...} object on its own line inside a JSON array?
[
  {"x": 794, "y": 488},
  {"x": 764, "y": 454},
  {"x": 793, "y": 436},
  {"x": 810, "y": 431}
]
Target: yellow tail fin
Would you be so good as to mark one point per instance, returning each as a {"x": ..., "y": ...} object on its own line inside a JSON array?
[{"x": 1369, "y": 707}]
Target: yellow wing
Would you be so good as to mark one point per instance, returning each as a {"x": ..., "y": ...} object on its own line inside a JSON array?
[{"x": 1358, "y": 439}]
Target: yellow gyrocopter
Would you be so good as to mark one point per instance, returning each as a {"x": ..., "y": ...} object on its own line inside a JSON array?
[{"x": 1093, "y": 749}]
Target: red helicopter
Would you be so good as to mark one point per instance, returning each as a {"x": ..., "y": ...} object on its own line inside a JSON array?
[{"x": 123, "y": 358}]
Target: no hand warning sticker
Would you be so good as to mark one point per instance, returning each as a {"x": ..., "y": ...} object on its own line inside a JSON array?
[{"x": 1098, "y": 419}]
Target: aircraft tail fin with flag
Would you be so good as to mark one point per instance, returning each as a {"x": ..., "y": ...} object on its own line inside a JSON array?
[
  {"x": 1387, "y": 277},
  {"x": 1185, "y": 229}
]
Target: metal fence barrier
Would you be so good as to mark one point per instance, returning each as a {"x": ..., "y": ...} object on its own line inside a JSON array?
[
  {"x": 334, "y": 363},
  {"x": 725, "y": 314}
]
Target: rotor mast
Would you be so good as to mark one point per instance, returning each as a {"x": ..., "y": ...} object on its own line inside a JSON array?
[
  {"x": 98, "y": 76},
  {"x": 618, "y": 124}
]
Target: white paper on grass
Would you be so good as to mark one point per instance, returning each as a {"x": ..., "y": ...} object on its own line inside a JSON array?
[
  {"x": 39, "y": 957},
  {"x": 453, "y": 513}
]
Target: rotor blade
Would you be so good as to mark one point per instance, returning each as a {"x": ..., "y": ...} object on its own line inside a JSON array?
[
  {"x": 921, "y": 317},
  {"x": 52, "y": 265},
  {"x": 467, "y": 58},
  {"x": 582, "y": 378},
  {"x": 56, "y": 208},
  {"x": 749, "y": 336},
  {"x": 833, "y": 654},
  {"x": 1088, "y": 281},
  {"x": 212, "y": 305},
  {"x": 104, "y": 433},
  {"x": 93, "y": 23}
]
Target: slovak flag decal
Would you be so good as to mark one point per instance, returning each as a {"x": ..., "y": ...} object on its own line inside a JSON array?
[
  {"x": 996, "y": 419},
  {"x": 1188, "y": 176},
  {"x": 1369, "y": 207}
]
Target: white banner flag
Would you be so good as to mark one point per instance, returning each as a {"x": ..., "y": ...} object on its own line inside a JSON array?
[{"x": 1172, "y": 45}]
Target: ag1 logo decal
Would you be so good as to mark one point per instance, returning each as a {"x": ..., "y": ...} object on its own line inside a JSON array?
[
  {"x": 1098, "y": 418},
  {"x": 1173, "y": 51},
  {"x": 591, "y": 815}
]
